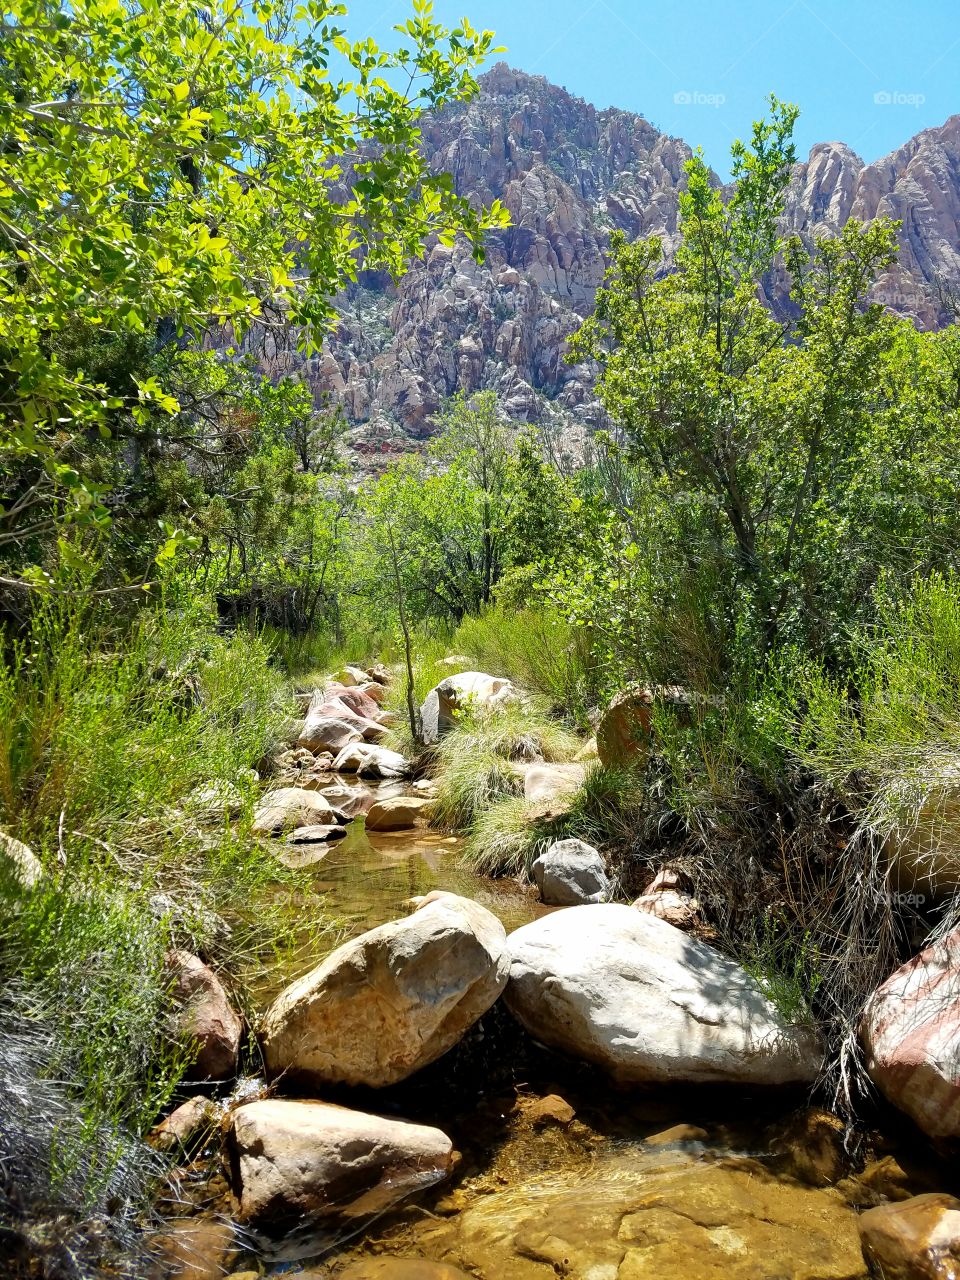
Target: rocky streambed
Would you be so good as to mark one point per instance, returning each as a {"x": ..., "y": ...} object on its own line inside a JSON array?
[{"x": 470, "y": 1084}]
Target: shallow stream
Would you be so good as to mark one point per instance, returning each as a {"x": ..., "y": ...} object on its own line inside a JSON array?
[{"x": 564, "y": 1174}]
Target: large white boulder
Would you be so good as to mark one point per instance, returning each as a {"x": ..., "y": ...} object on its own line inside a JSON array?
[
  {"x": 287, "y": 808},
  {"x": 391, "y": 1001},
  {"x": 470, "y": 690},
  {"x": 371, "y": 761},
  {"x": 569, "y": 873},
  {"x": 291, "y": 1161},
  {"x": 911, "y": 1035},
  {"x": 629, "y": 992}
]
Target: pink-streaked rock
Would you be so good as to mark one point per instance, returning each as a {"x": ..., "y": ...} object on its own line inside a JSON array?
[
  {"x": 204, "y": 1016},
  {"x": 356, "y": 699},
  {"x": 678, "y": 909},
  {"x": 338, "y": 716},
  {"x": 911, "y": 1035}
]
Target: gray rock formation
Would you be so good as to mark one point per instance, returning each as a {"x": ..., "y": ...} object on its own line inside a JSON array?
[{"x": 569, "y": 174}]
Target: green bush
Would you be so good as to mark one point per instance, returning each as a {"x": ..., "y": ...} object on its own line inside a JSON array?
[
  {"x": 104, "y": 733},
  {"x": 538, "y": 650},
  {"x": 887, "y": 736}
]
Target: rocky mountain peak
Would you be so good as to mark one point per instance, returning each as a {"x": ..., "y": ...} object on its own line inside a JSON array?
[{"x": 570, "y": 173}]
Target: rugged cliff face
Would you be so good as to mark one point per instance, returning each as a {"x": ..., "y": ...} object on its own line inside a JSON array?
[{"x": 569, "y": 174}]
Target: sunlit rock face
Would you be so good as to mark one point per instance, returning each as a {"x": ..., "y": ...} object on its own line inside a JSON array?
[{"x": 570, "y": 174}]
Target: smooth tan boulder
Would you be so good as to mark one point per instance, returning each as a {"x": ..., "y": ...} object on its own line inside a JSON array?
[
  {"x": 391, "y": 1001},
  {"x": 21, "y": 859},
  {"x": 627, "y": 991},
  {"x": 915, "y": 1239},
  {"x": 911, "y": 1036},
  {"x": 288, "y": 808},
  {"x": 399, "y": 813},
  {"x": 291, "y": 1161},
  {"x": 375, "y": 691},
  {"x": 204, "y": 1015},
  {"x": 325, "y": 731}
]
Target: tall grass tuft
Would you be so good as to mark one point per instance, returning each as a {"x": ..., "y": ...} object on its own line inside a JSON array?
[
  {"x": 106, "y": 733},
  {"x": 505, "y": 838},
  {"x": 608, "y": 810},
  {"x": 887, "y": 737},
  {"x": 539, "y": 651},
  {"x": 479, "y": 759}
]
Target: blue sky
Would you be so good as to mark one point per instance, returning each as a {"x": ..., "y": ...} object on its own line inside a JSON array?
[{"x": 870, "y": 74}]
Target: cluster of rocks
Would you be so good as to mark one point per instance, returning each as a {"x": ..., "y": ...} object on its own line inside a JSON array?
[
  {"x": 603, "y": 984},
  {"x": 341, "y": 733}
]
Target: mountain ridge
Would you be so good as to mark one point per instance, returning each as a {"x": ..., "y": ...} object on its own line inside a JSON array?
[{"x": 570, "y": 173}]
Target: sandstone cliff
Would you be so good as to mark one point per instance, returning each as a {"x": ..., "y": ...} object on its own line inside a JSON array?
[{"x": 570, "y": 173}]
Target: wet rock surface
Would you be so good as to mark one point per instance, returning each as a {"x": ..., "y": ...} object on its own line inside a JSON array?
[{"x": 917, "y": 1239}]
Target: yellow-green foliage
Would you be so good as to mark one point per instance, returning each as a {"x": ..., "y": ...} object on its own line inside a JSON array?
[
  {"x": 539, "y": 651},
  {"x": 479, "y": 760}
]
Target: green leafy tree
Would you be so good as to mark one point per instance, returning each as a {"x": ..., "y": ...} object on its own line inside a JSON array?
[
  {"x": 752, "y": 433},
  {"x": 164, "y": 166}
]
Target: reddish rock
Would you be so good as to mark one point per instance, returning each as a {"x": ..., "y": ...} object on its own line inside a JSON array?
[
  {"x": 185, "y": 1126},
  {"x": 916, "y": 1239},
  {"x": 204, "y": 1015},
  {"x": 623, "y": 734},
  {"x": 678, "y": 909},
  {"x": 911, "y": 1036}
]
